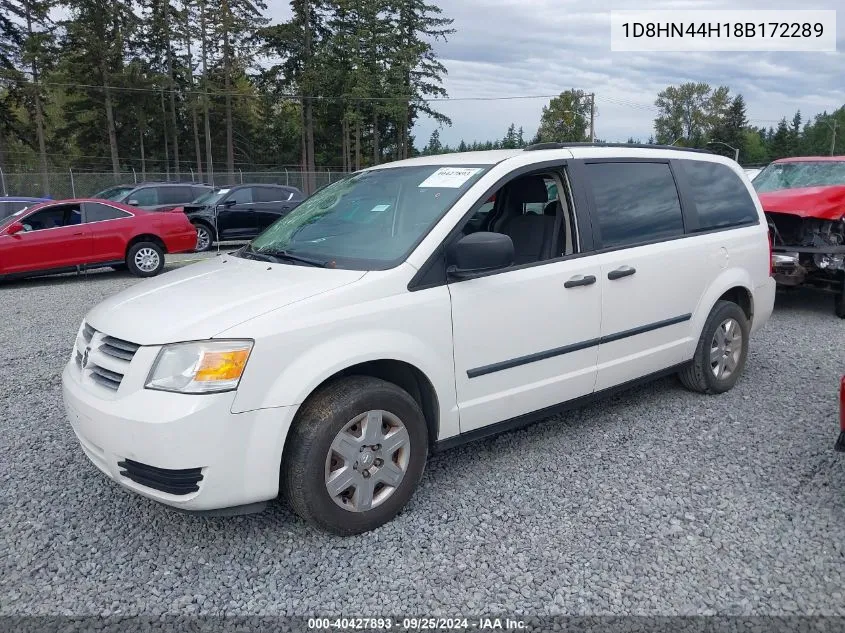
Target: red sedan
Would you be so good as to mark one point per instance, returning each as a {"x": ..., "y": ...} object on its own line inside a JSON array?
[{"x": 72, "y": 235}]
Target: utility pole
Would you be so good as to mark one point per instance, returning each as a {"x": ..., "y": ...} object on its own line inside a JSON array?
[
  {"x": 832, "y": 129},
  {"x": 592, "y": 117}
]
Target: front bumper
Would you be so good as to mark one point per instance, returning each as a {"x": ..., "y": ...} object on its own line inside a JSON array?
[{"x": 237, "y": 454}]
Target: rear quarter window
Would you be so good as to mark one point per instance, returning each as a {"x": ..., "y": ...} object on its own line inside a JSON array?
[{"x": 721, "y": 198}]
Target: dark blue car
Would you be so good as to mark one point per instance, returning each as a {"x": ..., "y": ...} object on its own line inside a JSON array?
[{"x": 13, "y": 204}]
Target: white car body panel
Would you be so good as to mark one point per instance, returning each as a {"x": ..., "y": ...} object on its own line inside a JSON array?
[{"x": 310, "y": 323}]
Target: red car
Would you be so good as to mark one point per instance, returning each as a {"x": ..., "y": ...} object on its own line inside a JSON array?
[
  {"x": 840, "y": 442},
  {"x": 804, "y": 200},
  {"x": 72, "y": 235}
]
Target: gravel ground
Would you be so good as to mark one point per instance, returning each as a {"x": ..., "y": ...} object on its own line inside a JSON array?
[{"x": 658, "y": 501}]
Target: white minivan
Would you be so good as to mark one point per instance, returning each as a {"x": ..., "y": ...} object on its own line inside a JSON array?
[{"x": 414, "y": 306}]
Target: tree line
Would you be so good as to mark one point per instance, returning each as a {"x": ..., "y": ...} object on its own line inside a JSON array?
[
  {"x": 179, "y": 85},
  {"x": 693, "y": 115}
]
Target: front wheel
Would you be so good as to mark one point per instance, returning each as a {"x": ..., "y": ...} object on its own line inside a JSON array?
[
  {"x": 145, "y": 259},
  {"x": 204, "y": 238},
  {"x": 355, "y": 455},
  {"x": 839, "y": 303},
  {"x": 721, "y": 351}
]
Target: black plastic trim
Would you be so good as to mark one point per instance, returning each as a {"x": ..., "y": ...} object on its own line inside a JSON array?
[
  {"x": 610, "y": 338},
  {"x": 175, "y": 482},
  {"x": 541, "y": 414},
  {"x": 566, "y": 349},
  {"x": 531, "y": 358},
  {"x": 542, "y": 146}
]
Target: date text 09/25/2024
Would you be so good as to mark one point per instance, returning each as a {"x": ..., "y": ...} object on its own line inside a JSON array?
[{"x": 417, "y": 624}]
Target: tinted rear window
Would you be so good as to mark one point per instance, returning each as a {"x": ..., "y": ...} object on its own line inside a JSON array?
[
  {"x": 175, "y": 195},
  {"x": 271, "y": 194},
  {"x": 96, "y": 212},
  {"x": 719, "y": 194},
  {"x": 635, "y": 202}
]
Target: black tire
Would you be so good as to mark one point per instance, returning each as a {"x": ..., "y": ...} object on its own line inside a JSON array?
[
  {"x": 204, "y": 245},
  {"x": 320, "y": 420},
  {"x": 156, "y": 259},
  {"x": 698, "y": 375}
]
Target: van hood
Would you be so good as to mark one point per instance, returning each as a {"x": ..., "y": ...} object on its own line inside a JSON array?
[
  {"x": 198, "y": 301},
  {"x": 823, "y": 203}
]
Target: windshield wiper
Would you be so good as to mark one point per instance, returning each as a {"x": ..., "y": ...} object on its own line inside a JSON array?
[
  {"x": 247, "y": 252},
  {"x": 291, "y": 257}
]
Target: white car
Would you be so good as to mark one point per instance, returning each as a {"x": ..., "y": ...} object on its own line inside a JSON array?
[
  {"x": 397, "y": 312},
  {"x": 752, "y": 172}
]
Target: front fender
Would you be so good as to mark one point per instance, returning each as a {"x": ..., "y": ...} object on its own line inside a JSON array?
[{"x": 286, "y": 367}]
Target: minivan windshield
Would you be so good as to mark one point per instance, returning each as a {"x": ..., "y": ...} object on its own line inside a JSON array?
[
  {"x": 370, "y": 220},
  {"x": 114, "y": 193},
  {"x": 800, "y": 174}
]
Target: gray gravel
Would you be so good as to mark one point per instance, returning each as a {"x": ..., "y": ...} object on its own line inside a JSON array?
[{"x": 656, "y": 502}]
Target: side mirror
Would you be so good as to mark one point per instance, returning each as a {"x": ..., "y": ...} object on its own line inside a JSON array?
[
  {"x": 133, "y": 202},
  {"x": 479, "y": 253},
  {"x": 14, "y": 228},
  {"x": 229, "y": 203}
]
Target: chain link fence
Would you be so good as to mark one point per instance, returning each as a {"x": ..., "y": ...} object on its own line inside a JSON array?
[{"x": 73, "y": 184}]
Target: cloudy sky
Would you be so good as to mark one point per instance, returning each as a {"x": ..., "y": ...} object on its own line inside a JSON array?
[{"x": 519, "y": 48}]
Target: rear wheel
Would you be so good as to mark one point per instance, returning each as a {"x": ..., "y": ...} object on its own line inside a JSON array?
[
  {"x": 355, "y": 455},
  {"x": 839, "y": 305},
  {"x": 145, "y": 259},
  {"x": 204, "y": 237},
  {"x": 721, "y": 351}
]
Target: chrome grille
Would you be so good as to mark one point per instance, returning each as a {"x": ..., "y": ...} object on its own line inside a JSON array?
[{"x": 102, "y": 358}]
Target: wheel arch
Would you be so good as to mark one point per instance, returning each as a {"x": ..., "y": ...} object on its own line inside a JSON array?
[
  {"x": 733, "y": 284},
  {"x": 405, "y": 376},
  {"x": 146, "y": 237}
]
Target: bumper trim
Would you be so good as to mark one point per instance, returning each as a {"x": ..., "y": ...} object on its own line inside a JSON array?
[
  {"x": 839, "y": 447},
  {"x": 175, "y": 482}
]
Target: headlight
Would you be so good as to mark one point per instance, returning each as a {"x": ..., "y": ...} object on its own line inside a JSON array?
[{"x": 201, "y": 367}]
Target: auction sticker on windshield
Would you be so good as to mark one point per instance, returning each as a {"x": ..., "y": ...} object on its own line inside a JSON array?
[{"x": 450, "y": 177}]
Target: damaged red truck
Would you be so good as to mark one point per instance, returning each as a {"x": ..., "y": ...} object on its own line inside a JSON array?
[{"x": 804, "y": 201}]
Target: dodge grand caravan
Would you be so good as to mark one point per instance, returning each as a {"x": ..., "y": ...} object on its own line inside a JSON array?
[{"x": 397, "y": 312}]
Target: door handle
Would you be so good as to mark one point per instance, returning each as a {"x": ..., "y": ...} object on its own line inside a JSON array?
[
  {"x": 580, "y": 280},
  {"x": 77, "y": 234},
  {"x": 622, "y": 271}
]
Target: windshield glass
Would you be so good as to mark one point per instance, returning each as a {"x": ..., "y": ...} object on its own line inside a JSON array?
[
  {"x": 370, "y": 220},
  {"x": 12, "y": 218},
  {"x": 804, "y": 174},
  {"x": 211, "y": 197},
  {"x": 114, "y": 193}
]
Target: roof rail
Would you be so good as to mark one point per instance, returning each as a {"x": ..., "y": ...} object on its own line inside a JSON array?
[{"x": 539, "y": 146}]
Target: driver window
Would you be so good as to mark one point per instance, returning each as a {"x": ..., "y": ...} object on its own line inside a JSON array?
[
  {"x": 52, "y": 218},
  {"x": 535, "y": 211}
]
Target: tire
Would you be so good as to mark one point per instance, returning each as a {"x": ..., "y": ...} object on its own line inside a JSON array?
[
  {"x": 145, "y": 259},
  {"x": 206, "y": 241},
  {"x": 311, "y": 463},
  {"x": 701, "y": 375},
  {"x": 839, "y": 303}
]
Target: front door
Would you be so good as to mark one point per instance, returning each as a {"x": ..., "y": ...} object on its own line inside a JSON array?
[
  {"x": 236, "y": 215},
  {"x": 526, "y": 338},
  {"x": 54, "y": 237}
]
